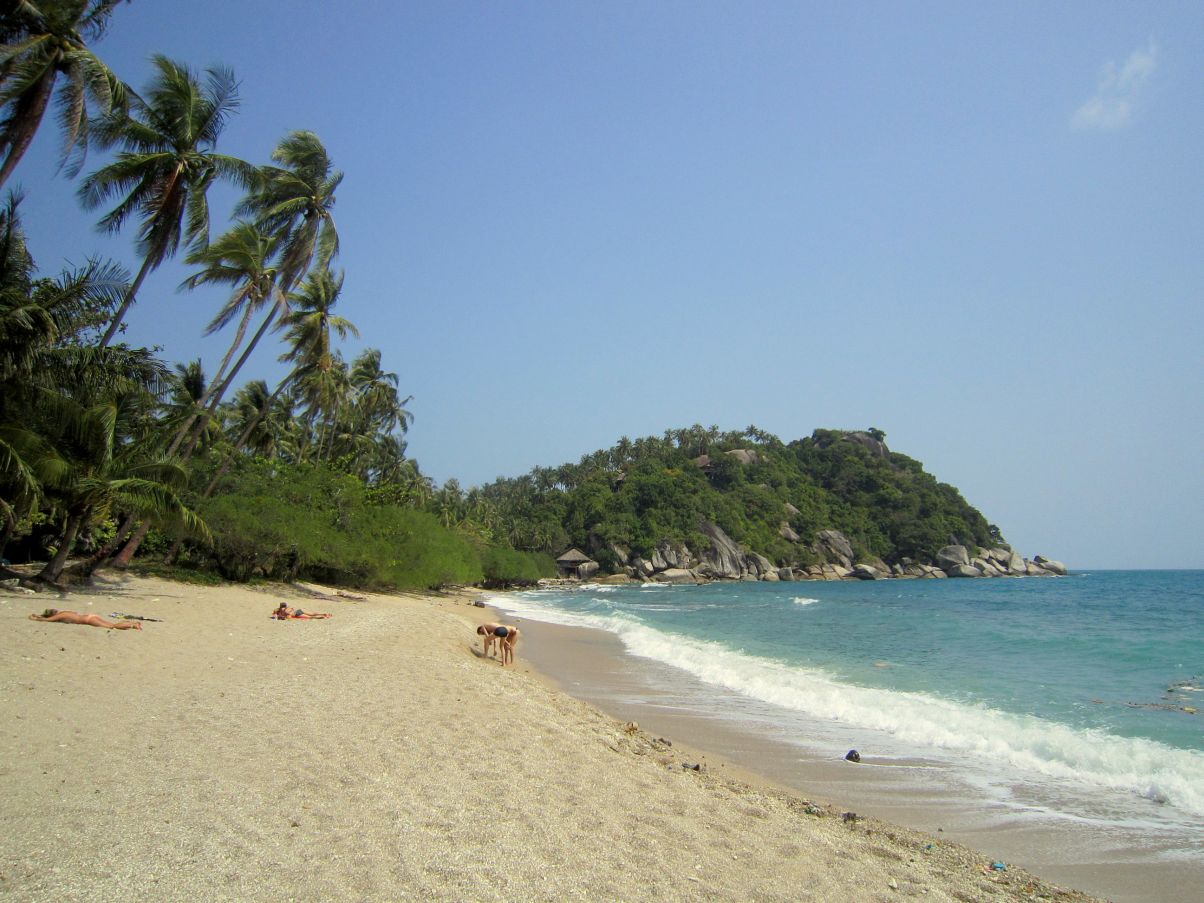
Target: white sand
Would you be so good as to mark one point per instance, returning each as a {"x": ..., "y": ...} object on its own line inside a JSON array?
[{"x": 220, "y": 755}]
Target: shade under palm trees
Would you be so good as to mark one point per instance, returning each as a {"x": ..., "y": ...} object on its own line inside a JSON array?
[
  {"x": 166, "y": 165},
  {"x": 46, "y": 46}
]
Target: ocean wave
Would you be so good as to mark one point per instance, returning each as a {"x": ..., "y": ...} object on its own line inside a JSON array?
[
  {"x": 1031, "y": 747},
  {"x": 804, "y": 600}
]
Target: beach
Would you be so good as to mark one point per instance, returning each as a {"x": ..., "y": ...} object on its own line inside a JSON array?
[{"x": 377, "y": 755}]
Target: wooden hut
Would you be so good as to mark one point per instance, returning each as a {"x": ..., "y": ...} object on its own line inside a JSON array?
[{"x": 575, "y": 563}]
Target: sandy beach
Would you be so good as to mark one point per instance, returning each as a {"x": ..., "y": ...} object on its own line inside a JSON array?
[{"x": 220, "y": 755}]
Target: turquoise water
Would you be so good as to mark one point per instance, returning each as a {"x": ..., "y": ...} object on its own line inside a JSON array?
[{"x": 1073, "y": 685}]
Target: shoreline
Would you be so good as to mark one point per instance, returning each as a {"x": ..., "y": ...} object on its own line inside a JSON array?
[
  {"x": 593, "y": 665},
  {"x": 220, "y": 755}
]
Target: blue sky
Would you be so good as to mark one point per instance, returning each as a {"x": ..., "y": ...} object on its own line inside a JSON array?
[{"x": 977, "y": 227}]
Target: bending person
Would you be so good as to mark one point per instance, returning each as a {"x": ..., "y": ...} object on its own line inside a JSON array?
[
  {"x": 74, "y": 617},
  {"x": 506, "y": 637}
]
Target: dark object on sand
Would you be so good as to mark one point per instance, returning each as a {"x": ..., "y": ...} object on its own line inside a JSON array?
[
  {"x": 478, "y": 603},
  {"x": 853, "y": 756},
  {"x": 849, "y": 817}
]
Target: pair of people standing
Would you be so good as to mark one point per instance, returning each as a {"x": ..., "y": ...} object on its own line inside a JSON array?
[{"x": 503, "y": 635}]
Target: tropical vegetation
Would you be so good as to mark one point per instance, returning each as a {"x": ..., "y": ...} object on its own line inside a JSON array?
[{"x": 107, "y": 451}]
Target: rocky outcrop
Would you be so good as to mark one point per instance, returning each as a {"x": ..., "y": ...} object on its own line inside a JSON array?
[
  {"x": 726, "y": 559},
  {"x": 951, "y": 557},
  {"x": 835, "y": 547},
  {"x": 962, "y": 570}
]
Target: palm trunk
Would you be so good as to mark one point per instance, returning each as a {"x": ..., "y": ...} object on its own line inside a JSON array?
[
  {"x": 122, "y": 559},
  {"x": 54, "y": 568},
  {"x": 33, "y": 114},
  {"x": 131, "y": 292},
  {"x": 89, "y": 565},
  {"x": 246, "y": 434},
  {"x": 217, "y": 392}
]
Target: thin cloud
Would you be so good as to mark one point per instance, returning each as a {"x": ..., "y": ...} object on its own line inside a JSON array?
[{"x": 1112, "y": 105}]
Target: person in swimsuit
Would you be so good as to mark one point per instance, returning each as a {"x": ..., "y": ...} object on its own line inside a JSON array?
[
  {"x": 283, "y": 613},
  {"x": 503, "y": 635},
  {"x": 486, "y": 631},
  {"x": 74, "y": 617}
]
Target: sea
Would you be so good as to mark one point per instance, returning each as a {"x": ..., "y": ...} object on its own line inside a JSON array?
[{"x": 1075, "y": 700}]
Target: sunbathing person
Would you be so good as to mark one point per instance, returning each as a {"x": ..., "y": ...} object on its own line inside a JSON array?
[
  {"x": 74, "y": 617},
  {"x": 283, "y": 613}
]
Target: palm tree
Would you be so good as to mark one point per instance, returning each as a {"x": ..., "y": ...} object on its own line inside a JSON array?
[
  {"x": 106, "y": 470},
  {"x": 293, "y": 201},
  {"x": 292, "y": 208},
  {"x": 166, "y": 165},
  {"x": 46, "y": 40},
  {"x": 241, "y": 257},
  {"x": 321, "y": 374},
  {"x": 308, "y": 332}
]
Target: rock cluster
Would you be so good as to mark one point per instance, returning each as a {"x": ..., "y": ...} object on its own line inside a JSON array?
[{"x": 728, "y": 560}]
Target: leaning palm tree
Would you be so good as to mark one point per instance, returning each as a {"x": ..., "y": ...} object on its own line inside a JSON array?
[
  {"x": 294, "y": 201},
  {"x": 291, "y": 206},
  {"x": 166, "y": 165},
  {"x": 309, "y": 326},
  {"x": 243, "y": 258},
  {"x": 46, "y": 45}
]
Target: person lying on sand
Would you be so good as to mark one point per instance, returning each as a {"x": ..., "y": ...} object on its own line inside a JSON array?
[
  {"x": 504, "y": 635},
  {"x": 74, "y": 617},
  {"x": 283, "y": 613}
]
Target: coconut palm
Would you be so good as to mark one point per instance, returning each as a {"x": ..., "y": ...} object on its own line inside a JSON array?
[
  {"x": 293, "y": 201},
  {"x": 309, "y": 325},
  {"x": 320, "y": 374},
  {"x": 108, "y": 470},
  {"x": 46, "y": 46},
  {"x": 166, "y": 165}
]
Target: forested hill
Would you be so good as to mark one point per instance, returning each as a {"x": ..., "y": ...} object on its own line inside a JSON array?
[{"x": 774, "y": 497}]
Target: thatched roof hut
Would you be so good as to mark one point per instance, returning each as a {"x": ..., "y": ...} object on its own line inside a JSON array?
[{"x": 575, "y": 563}]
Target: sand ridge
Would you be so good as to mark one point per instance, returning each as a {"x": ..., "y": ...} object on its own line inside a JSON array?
[{"x": 221, "y": 755}]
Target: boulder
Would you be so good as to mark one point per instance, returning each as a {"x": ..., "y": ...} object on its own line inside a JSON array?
[
  {"x": 659, "y": 563},
  {"x": 786, "y": 574},
  {"x": 642, "y": 567},
  {"x": 835, "y": 546},
  {"x": 759, "y": 564},
  {"x": 744, "y": 455},
  {"x": 622, "y": 555},
  {"x": 841, "y": 571},
  {"x": 676, "y": 575},
  {"x": 786, "y": 533},
  {"x": 1049, "y": 564},
  {"x": 587, "y": 569},
  {"x": 770, "y": 577},
  {"x": 791, "y": 511},
  {"x": 615, "y": 579},
  {"x": 987, "y": 566},
  {"x": 725, "y": 558},
  {"x": 1032, "y": 569},
  {"x": 1016, "y": 565},
  {"x": 865, "y": 572},
  {"x": 951, "y": 556},
  {"x": 962, "y": 570}
]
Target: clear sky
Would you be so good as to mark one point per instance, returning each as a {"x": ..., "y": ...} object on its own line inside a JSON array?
[{"x": 978, "y": 227}]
